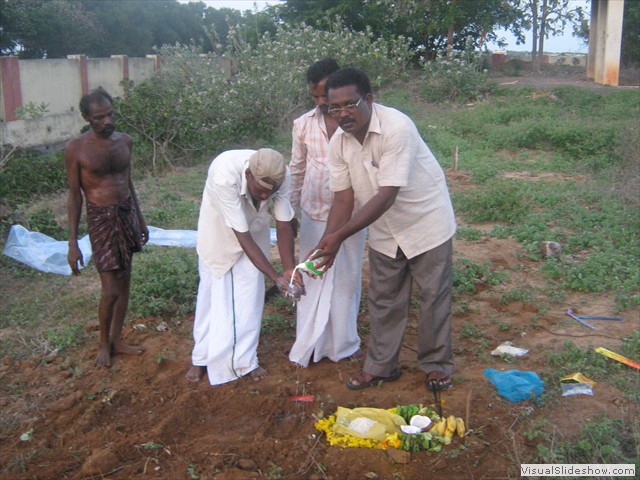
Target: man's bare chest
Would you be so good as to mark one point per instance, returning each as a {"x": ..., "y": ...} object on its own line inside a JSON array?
[{"x": 114, "y": 160}]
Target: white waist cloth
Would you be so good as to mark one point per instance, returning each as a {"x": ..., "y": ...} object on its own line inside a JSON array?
[
  {"x": 327, "y": 316},
  {"x": 226, "y": 328}
]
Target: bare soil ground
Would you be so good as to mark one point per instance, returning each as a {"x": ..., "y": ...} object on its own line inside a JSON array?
[{"x": 142, "y": 420}]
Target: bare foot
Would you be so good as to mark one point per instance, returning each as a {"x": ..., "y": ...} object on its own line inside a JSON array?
[
  {"x": 104, "y": 356},
  {"x": 258, "y": 374},
  {"x": 121, "y": 347},
  {"x": 195, "y": 373}
]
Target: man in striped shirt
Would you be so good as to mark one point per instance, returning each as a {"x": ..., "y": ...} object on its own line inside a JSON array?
[{"x": 327, "y": 315}]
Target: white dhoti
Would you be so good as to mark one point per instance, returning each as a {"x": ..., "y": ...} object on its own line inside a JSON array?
[
  {"x": 327, "y": 316},
  {"x": 227, "y": 321}
]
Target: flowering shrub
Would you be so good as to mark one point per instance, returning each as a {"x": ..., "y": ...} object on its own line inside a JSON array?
[
  {"x": 455, "y": 76},
  {"x": 194, "y": 106}
]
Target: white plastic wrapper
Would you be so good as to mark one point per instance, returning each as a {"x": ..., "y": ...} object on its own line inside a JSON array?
[
  {"x": 42, "y": 252},
  {"x": 507, "y": 348},
  {"x": 49, "y": 255}
]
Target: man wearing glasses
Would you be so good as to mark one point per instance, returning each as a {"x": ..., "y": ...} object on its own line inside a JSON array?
[
  {"x": 379, "y": 163},
  {"x": 327, "y": 316}
]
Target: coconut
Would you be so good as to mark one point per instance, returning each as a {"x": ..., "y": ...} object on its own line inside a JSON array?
[{"x": 420, "y": 421}]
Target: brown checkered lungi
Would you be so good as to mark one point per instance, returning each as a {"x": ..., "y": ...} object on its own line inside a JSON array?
[{"x": 114, "y": 233}]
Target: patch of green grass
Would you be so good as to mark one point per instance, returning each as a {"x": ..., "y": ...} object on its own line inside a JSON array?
[
  {"x": 164, "y": 282},
  {"x": 603, "y": 441},
  {"x": 516, "y": 295},
  {"x": 469, "y": 330},
  {"x": 66, "y": 336},
  {"x": 276, "y": 322},
  {"x": 470, "y": 234},
  {"x": 467, "y": 274},
  {"x": 498, "y": 201}
]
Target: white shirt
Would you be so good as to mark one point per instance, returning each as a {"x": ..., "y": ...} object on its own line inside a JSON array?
[
  {"x": 394, "y": 154},
  {"x": 227, "y": 205}
]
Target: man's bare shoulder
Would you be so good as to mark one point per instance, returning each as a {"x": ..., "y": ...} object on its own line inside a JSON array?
[
  {"x": 121, "y": 136},
  {"x": 76, "y": 144}
]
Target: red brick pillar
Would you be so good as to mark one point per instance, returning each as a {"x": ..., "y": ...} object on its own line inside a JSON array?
[
  {"x": 124, "y": 65},
  {"x": 11, "y": 89},
  {"x": 84, "y": 76}
]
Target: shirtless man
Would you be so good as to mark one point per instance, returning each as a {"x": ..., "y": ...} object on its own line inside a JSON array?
[{"x": 98, "y": 166}]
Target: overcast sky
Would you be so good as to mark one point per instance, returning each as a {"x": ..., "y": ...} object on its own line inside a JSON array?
[{"x": 566, "y": 43}]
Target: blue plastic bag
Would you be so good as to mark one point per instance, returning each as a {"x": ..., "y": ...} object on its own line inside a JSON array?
[{"x": 515, "y": 385}]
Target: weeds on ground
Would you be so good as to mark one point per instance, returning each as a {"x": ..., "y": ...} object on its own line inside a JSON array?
[
  {"x": 164, "y": 283},
  {"x": 468, "y": 274},
  {"x": 603, "y": 441}
]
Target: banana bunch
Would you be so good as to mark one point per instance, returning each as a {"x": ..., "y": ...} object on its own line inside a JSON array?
[{"x": 447, "y": 427}]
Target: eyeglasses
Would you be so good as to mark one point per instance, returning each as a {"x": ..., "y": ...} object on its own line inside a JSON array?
[{"x": 335, "y": 111}]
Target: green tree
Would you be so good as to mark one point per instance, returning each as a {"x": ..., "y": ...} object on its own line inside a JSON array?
[
  {"x": 431, "y": 24},
  {"x": 545, "y": 18},
  {"x": 630, "y": 55},
  {"x": 45, "y": 28}
]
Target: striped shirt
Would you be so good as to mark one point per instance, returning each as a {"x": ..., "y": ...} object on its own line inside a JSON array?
[{"x": 309, "y": 166}]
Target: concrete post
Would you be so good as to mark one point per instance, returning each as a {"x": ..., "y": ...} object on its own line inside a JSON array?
[{"x": 605, "y": 40}]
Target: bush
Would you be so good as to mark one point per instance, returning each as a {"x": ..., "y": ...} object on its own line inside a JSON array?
[
  {"x": 455, "y": 76},
  {"x": 194, "y": 106},
  {"x": 28, "y": 173}
]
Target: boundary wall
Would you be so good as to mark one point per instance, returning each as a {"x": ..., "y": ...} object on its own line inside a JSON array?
[{"x": 59, "y": 84}]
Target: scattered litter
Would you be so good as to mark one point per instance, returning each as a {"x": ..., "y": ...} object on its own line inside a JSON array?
[
  {"x": 507, "y": 348},
  {"x": 139, "y": 326},
  {"x": 27, "y": 436},
  {"x": 576, "y": 384},
  {"x": 577, "y": 378},
  {"x": 592, "y": 317},
  {"x": 569, "y": 389},
  {"x": 162, "y": 327},
  {"x": 618, "y": 357},
  {"x": 551, "y": 249},
  {"x": 301, "y": 398},
  {"x": 516, "y": 385},
  {"x": 583, "y": 322}
]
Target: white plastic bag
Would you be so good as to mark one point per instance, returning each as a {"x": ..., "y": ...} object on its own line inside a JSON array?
[
  {"x": 172, "y": 238},
  {"x": 42, "y": 252}
]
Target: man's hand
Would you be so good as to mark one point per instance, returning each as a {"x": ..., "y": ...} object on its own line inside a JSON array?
[
  {"x": 327, "y": 250},
  {"x": 74, "y": 257},
  {"x": 294, "y": 291}
]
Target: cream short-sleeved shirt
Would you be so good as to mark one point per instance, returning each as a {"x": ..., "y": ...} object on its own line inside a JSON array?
[
  {"x": 394, "y": 154},
  {"x": 227, "y": 206}
]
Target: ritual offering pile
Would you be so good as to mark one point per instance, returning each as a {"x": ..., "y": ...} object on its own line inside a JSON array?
[{"x": 406, "y": 427}]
